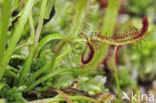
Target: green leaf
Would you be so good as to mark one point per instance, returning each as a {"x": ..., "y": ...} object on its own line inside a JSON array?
[
  {"x": 110, "y": 18},
  {"x": 26, "y": 68},
  {"x": 16, "y": 36},
  {"x": 50, "y": 75},
  {"x": 47, "y": 39},
  {"x": 6, "y": 13},
  {"x": 40, "y": 25},
  {"x": 47, "y": 67}
]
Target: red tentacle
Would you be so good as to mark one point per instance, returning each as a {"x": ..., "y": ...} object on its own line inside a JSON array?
[
  {"x": 90, "y": 55},
  {"x": 145, "y": 26}
]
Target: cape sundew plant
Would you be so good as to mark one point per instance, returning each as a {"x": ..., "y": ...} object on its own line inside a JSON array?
[{"x": 36, "y": 64}]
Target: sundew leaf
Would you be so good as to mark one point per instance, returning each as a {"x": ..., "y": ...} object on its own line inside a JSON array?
[
  {"x": 127, "y": 39},
  {"x": 78, "y": 17},
  {"x": 108, "y": 27}
]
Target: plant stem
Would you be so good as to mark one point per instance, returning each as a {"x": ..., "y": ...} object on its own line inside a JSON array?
[
  {"x": 118, "y": 87},
  {"x": 26, "y": 68},
  {"x": 40, "y": 25},
  {"x": 115, "y": 73},
  {"x": 23, "y": 45},
  {"x": 32, "y": 28},
  {"x": 28, "y": 62}
]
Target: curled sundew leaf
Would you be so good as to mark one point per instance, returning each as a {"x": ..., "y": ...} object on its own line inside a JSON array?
[
  {"x": 90, "y": 55},
  {"x": 62, "y": 94},
  {"x": 125, "y": 39},
  {"x": 107, "y": 27},
  {"x": 104, "y": 42}
]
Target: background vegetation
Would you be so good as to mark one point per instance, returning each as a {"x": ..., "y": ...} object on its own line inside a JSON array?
[{"x": 76, "y": 51}]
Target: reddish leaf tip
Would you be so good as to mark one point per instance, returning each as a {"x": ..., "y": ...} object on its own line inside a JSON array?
[
  {"x": 145, "y": 25},
  {"x": 90, "y": 55}
]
